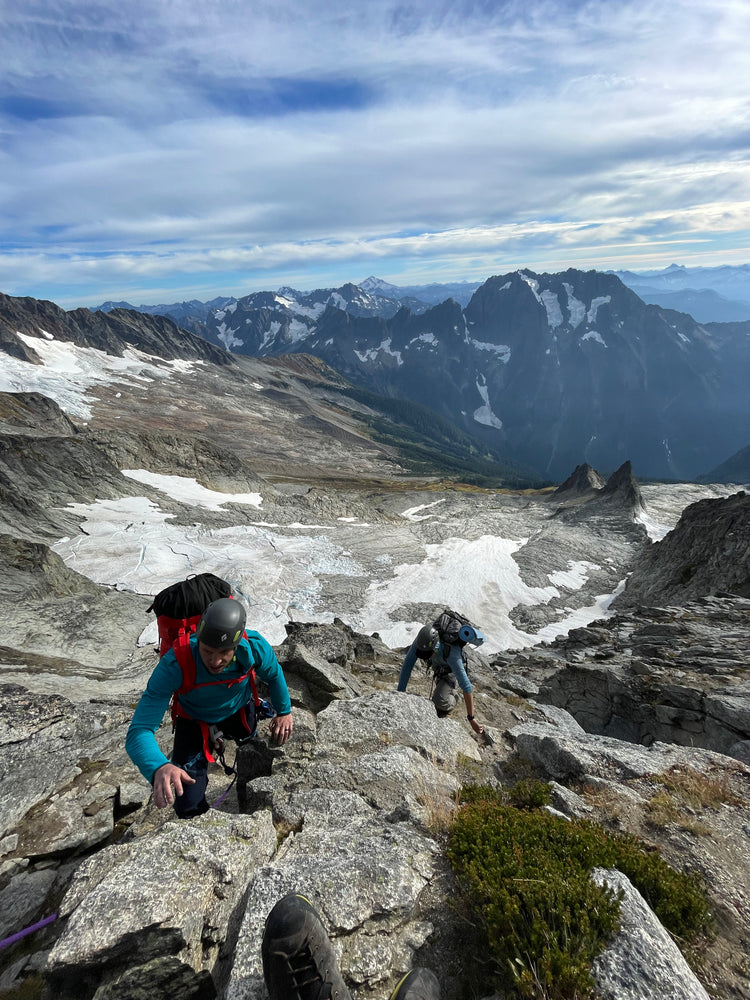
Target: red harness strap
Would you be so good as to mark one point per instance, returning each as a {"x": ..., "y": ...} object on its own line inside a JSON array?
[{"x": 186, "y": 661}]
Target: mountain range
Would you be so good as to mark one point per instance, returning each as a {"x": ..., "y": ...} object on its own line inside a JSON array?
[
  {"x": 549, "y": 370},
  {"x": 708, "y": 294},
  {"x": 540, "y": 372}
]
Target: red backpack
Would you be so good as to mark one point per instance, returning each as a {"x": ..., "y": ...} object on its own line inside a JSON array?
[{"x": 178, "y": 610}]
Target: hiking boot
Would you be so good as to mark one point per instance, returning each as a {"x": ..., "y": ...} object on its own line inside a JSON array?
[
  {"x": 419, "y": 984},
  {"x": 298, "y": 960}
]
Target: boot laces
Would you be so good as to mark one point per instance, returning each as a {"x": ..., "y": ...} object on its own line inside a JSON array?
[{"x": 308, "y": 980}]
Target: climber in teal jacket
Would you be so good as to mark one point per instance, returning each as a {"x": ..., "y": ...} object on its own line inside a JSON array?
[{"x": 220, "y": 699}]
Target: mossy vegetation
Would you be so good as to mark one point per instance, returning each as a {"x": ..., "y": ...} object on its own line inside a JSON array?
[
  {"x": 698, "y": 790},
  {"x": 682, "y": 796},
  {"x": 528, "y": 890}
]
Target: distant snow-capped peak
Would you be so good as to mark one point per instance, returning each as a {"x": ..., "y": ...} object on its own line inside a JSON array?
[{"x": 379, "y": 287}]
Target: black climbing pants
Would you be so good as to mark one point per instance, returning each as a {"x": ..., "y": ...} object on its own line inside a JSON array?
[{"x": 188, "y": 754}]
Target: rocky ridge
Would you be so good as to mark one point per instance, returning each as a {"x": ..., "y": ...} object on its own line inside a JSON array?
[
  {"x": 708, "y": 551},
  {"x": 154, "y": 335}
]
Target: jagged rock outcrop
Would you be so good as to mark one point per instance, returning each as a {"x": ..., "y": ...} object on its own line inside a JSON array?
[
  {"x": 619, "y": 499},
  {"x": 582, "y": 482},
  {"x": 676, "y": 674},
  {"x": 622, "y": 484},
  {"x": 706, "y": 553}
]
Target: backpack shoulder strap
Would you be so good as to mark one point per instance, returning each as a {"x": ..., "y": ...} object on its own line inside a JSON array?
[
  {"x": 186, "y": 662},
  {"x": 251, "y": 674}
]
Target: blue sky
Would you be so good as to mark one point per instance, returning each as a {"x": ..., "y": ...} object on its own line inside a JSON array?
[{"x": 170, "y": 149}]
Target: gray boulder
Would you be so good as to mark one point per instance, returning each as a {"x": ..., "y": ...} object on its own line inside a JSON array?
[
  {"x": 642, "y": 962},
  {"x": 173, "y": 895}
]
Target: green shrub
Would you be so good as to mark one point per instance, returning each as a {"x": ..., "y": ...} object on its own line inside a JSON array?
[
  {"x": 528, "y": 793},
  {"x": 527, "y": 886}
]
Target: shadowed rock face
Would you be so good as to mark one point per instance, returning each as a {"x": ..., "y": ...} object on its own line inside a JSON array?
[{"x": 706, "y": 553}]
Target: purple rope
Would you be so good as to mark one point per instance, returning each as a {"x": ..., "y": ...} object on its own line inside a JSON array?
[
  {"x": 27, "y": 930},
  {"x": 221, "y": 798}
]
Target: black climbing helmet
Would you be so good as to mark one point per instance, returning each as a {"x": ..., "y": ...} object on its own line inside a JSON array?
[
  {"x": 428, "y": 641},
  {"x": 222, "y": 624}
]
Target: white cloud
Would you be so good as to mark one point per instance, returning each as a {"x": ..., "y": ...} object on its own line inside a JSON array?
[{"x": 227, "y": 141}]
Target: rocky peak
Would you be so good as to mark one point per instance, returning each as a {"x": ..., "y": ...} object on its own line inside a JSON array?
[
  {"x": 707, "y": 552},
  {"x": 618, "y": 499},
  {"x": 622, "y": 487},
  {"x": 582, "y": 481}
]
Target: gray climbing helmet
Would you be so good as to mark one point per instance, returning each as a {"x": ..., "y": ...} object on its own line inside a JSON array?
[
  {"x": 428, "y": 641},
  {"x": 222, "y": 624}
]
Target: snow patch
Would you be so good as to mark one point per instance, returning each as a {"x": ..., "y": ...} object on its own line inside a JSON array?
[
  {"x": 600, "y": 300},
  {"x": 383, "y": 348},
  {"x": 576, "y": 308},
  {"x": 552, "y": 305},
  {"x": 413, "y": 513},
  {"x": 502, "y": 350},
  {"x": 574, "y": 577},
  {"x": 484, "y": 414},
  {"x": 478, "y": 575},
  {"x": 190, "y": 491},
  {"x": 654, "y": 529},
  {"x": 226, "y": 335},
  {"x": 593, "y": 335},
  {"x": 580, "y": 617},
  {"x": 270, "y": 335},
  {"x": 130, "y": 543},
  {"x": 533, "y": 285},
  {"x": 298, "y": 330},
  {"x": 68, "y": 371}
]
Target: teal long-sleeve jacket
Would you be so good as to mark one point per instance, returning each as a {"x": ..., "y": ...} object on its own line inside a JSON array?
[{"x": 211, "y": 704}]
